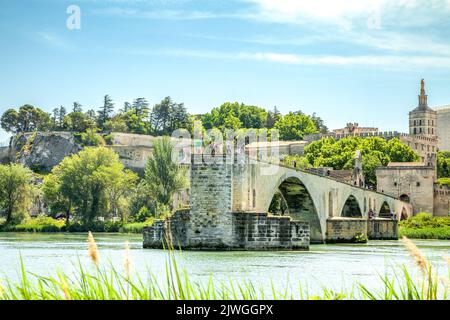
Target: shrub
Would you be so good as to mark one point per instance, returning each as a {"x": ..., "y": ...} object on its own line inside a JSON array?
[
  {"x": 136, "y": 227},
  {"x": 97, "y": 226},
  {"x": 359, "y": 238},
  {"x": 38, "y": 224},
  {"x": 425, "y": 226},
  {"x": 92, "y": 138},
  {"x": 143, "y": 214}
]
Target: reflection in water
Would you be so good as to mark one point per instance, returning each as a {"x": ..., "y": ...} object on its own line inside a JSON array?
[{"x": 334, "y": 266}]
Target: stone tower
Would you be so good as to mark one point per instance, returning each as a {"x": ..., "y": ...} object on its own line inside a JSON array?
[{"x": 423, "y": 119}]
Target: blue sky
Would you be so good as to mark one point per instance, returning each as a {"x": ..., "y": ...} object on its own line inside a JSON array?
[{"x": 347, "y": 60}]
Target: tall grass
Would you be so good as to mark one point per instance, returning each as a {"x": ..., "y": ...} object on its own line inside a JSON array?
[{"x": 100, "y": 282}]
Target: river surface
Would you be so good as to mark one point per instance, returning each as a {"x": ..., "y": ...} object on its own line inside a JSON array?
[{"x": 336, "y": 266}]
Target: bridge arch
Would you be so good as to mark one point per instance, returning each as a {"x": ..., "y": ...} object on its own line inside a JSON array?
[
  {"x": 351, "y": 208},
  {"x": 385, "y": 210},
  {"x": 299, "y": 202}
]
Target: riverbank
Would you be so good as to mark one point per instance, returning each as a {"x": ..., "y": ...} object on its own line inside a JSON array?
[
  {"x": 425, "y": 226},
  {"x": 171, "y": 274},
  {"x": 50, "y": 225}
]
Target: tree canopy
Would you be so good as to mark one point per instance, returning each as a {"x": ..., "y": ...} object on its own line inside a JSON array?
[
  {"x": 375, "y": 152},
  {"x": 163, "y": 175},
  {"x": 16, "y": 190},
  {"x": 294, "y": 126},
  {"x": 443, "y": 163},
  {"x": 92, "y": 183}
]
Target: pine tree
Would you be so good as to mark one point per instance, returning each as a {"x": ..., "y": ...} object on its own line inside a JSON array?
[
  {"x": 126, "y": 107},
  {"x": 61, "y": 114},
  {"x": 141, "y": 107},
  {"x": 104, "y": 114},
  {"x": 77, "y": 107}
]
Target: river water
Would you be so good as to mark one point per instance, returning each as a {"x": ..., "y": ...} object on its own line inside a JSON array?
[{"x": 337, "y": 266}]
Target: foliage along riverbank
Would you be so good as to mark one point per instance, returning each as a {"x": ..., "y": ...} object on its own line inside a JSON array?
[
  {"x": 108, "y": 282},
  {"x": 425, "y": 226},
  {"x": 49, "y": 225}
]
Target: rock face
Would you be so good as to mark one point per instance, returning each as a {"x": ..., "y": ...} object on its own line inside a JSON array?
[{"x": 41, "y": 151}]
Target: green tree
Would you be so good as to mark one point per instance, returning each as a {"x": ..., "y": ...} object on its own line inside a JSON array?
[
  {"x": 141, "y": 107},
  {"x": 168, "y": 116},
  {"x": 119, "y": 184},
  {"x": 294, "y": 126},
  {"x": 58, "y": 203},
  {"x": 77, "y": 107},
  {"x": 104, "y": 114},
  {"x": 319, "y": 123},
  {"x": 78, "y": 122},
  {"x": 27, "y": 119},
  {"x": 443, "y": 164},
  {"x": 85, "y": 181},
  {"x": 16, "y": 190},
  {"x": 234, "y": 116},
  {"x": 92, "y": 138},
  {"x": 163, "y": 175},
  {"x": 10, "y": 121},
  {"x": 272, "y": 117},
  {"x": 375, "y": 152}
]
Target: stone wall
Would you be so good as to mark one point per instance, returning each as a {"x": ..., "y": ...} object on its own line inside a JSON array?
[
  {"x": 345, "y": 229},
  {"x": 258, "y": 231},
  {"x": 441, "y": 202},
  {"x": 417, "y": 183},
  {"x": 250, "y": 231},
  {"x": 134, "y": 158},
  {"x": 382, "y": 229},
  {"x": 443, "y": 128}
]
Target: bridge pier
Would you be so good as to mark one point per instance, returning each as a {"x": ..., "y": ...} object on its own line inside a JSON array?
[{"x": 211, "y": 223}]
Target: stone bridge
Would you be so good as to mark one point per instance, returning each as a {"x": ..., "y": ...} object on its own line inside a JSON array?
[
  {"x": 309, "y": 197},
  {"x": 230, "y": 200}
]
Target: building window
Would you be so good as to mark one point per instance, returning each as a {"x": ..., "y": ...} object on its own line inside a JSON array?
[
  {"x": 417, "y": 184},
  {"x": 415, "y": 130},
  {"x": 395, "y": 184}
]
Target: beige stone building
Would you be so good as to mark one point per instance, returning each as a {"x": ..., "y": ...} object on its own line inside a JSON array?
[
  {"x": 354, "y": 128},
  {"x": 423, "y": 128},
  {"x": 443, "y": 127},
  {"x": 411, "y": 182}
]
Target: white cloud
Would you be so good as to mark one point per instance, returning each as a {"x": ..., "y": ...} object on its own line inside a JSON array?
[
  {"x": 336, "y": 11},
  {"x": 51, "y": 39},
  {"x": 407, "y": 62}
]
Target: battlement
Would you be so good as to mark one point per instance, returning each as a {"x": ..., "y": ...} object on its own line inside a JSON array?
[{"x": 381, "y": 134}]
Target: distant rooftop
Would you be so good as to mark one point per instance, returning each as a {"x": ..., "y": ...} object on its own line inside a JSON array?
[
  {"x": 274, "y": 143},
  {"x": 442, "y": 108}
]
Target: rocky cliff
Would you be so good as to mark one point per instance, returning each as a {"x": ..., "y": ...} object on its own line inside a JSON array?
[{"x": 41, "y": 151}]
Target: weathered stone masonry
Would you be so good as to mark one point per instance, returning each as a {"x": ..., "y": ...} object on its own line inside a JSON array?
[{"x": 211, "y": 223}]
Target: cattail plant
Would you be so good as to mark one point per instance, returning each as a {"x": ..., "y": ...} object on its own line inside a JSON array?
[
  {"x": 92, "y": 249},
  {"x": 127, "y": 261},
  {"x": 420, "y": 259}
]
